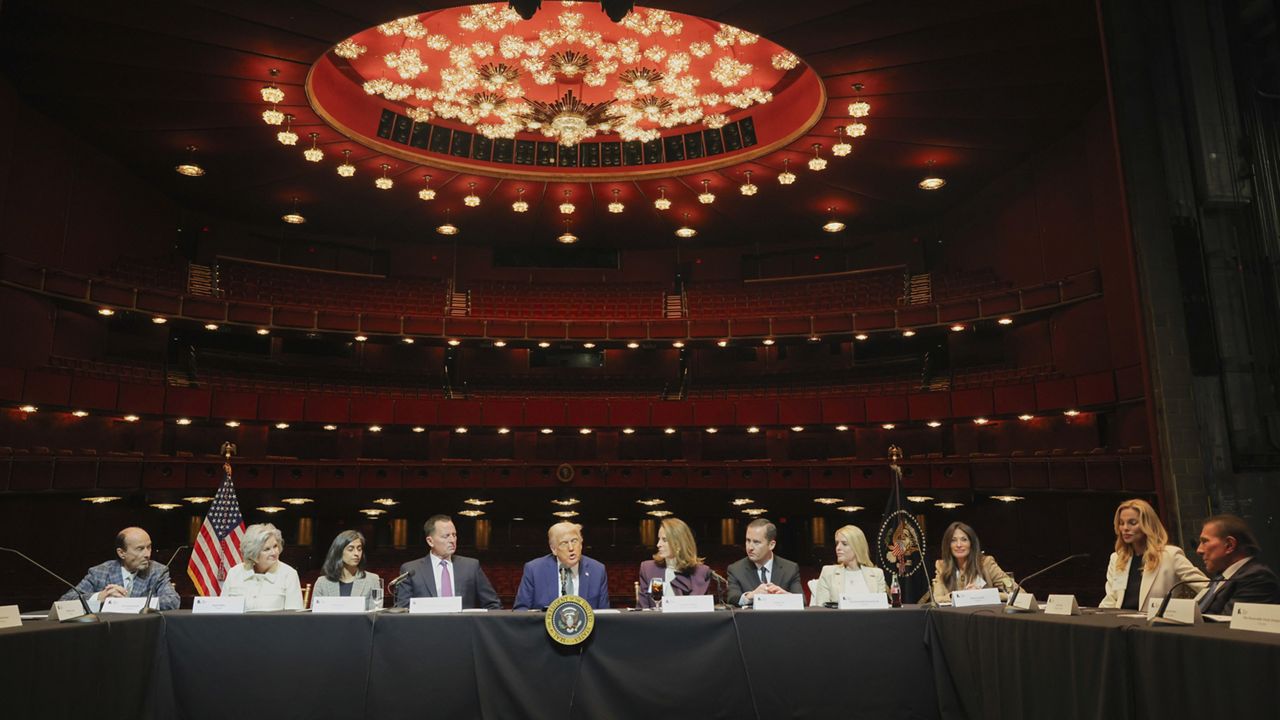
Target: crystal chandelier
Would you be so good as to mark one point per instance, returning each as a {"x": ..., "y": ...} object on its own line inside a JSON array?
[
  {"x": 842, "y": 146},
  {"x": 272, "y": 116},
  {"x": 748, "y": 188},
  {"x": 566, "y": 207},
  {"x": 271, "y": 93},
  {"x": 706, "y": 197},
  {"x": 567, "y": 238},
  {"x": 520, "y": 205},
  {"x": 191, "y": 169},
  {"x": 859, "y": 109},
  {"x": 287, "y": 136},
  {"x": 662, "y": 203},
  {"x": 384, "y": 182},
  {"x": 447, "y": 228},
  {"x": 817, "y": 163},
  {"x": 472, "y": 199},
  {"x": 426, "y": 193},
  {"x": 684, "y": 231},
  {"x": 786, "y": 177},
  {"x": 293, "y": 217},
  {"x": 615, "y": 207},
  {"x": 313, "y": 153},
  {"x": 931, "y": 181},
  {"x": 832, "y": 225},
  {"x": 346, "y": 169}
]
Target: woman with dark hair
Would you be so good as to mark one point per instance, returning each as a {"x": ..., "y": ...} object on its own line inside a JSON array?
[
  {"x": 344, "y": 573},
  {"x": 676, "y": 564},
  {"x": 963, "y": 565}
]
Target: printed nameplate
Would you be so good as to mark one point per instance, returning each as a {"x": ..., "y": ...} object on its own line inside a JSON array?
[
  {"x": 688, "y": 604},
  {"x": 1061, "y": 605},
  {"x": 1182, "y": 611},
  {"x": 1025, "y": 602},
  {"x": 9, "y": 616},
  {"x": 217, "y": 606},
  {"x": 64, "y": 610},
  {"x": 128, "y": 605},
  {"x": 864, "y": 601},
  {"x": 339, "y": 605},
  {"x": 971, "y": 598},
  {"x": 435, "y": 605},
  {"x": 784, "y": 601},
  {"x": 1256, "y": 616}
]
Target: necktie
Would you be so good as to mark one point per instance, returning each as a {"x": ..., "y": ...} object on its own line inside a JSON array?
[
  {"x": 1208, "y": 594},
  {"x": 446, "y": 585},
  {"x": 764, "y": 574},
  {"x": 128, "y": 586},
  {"x": 566, "y": 581}
]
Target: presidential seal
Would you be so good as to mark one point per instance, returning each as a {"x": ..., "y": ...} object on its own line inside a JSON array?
[
  {"x": 899, "y": 544},
  {"x": 570, "y": 620}
]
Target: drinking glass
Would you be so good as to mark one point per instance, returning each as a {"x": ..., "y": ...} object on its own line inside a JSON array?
[{"x": 374, "y": 601}]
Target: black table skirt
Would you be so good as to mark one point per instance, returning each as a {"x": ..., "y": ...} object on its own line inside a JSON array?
[
  {"x": 1207, "y": 671},
  {"x": 80, "y": 670}
]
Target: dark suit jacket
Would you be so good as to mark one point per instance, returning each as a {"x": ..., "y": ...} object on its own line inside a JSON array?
[
  {"x": 1253, "y": 583},
  {"x": 540, "y": 583},
  {"x": 110, "y": 573},
  {"x": 743, "y": 577},
  {"x": 469, "y": 583},
  {"x": 692, "y": 581}
]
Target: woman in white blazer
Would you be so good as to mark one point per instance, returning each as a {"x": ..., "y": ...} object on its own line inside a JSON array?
[
  {"x": 852, "y": 573},
  {"x": 1159, "y": 566},
  {"x": 343, "y": 573},
  {"x": 262, "y": 580}
]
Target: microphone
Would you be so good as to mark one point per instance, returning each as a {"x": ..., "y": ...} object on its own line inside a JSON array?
[
  {"x": 1017, "y": 586},
  {"x": 924, "y": 565},
  {"x": 722, "y": 587},
  {"x": 146, "y": 604},
  {"x": 84, "y": 603},
  {"x": 399, "y": 579},
  {"x": 1164, "y": 604}
]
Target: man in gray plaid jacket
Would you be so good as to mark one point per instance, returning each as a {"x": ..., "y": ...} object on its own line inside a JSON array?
[{"x": 131, "y": 574}]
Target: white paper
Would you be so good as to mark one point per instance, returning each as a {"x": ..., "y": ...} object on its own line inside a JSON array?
[
  {"x": 217, "y": 606},
  {"x": 604, "y": 611},
  {"x": 688, "y": 604},
  {"x": 1062, "y": 605},
  {"x": 864, "y": 601},
  {"x": 784, "y": 601},
  {"x": 128, "y": 605},
  {"x": 1256, "y": 616},
  {"x": 435, "y": 605},
  {"x": 339, "y": 605},
  {"x": 970, "y": 598},
  {"x": 10, "y": 617}
]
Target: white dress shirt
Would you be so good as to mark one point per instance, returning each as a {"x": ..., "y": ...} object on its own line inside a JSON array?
[
  {"x": 436, "y": 568},
  {"x": 573, "y": 572},
  {"x": 768, "y": 569},
  {"x": 279, "y": 589},
  {"x": 95, "y": 602}
]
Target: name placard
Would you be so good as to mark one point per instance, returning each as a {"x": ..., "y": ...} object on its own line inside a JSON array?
[
  {"x": 864, "y": 601},
  {"x": 1061, "y": 605},
  {"x": 128, "y": 605},
  {"x": 1181, "y": 611},
  {"x": 688, "y": 604},
  {"x": 339, "y": 605},
  {"x": 217, "y": 606},
  {"x": 971, "y": 598},
  {"x": 1024, "y": 602},
  {"x": 784, "y": 601},
  {"x": 1256, "y": 616},
  {"x": 435, "y": 605},
  {"x": 9, "y": 616},
  {"x": 64, "y": 610}
]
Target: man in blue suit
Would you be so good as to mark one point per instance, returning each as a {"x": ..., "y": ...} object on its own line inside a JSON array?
[
  {"x": 130, "y": 574},
  {"x": 566, "y": 571}
]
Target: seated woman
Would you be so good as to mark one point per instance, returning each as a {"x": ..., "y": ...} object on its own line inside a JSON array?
[
  {"x": 676, "y": 563},
  {"x": 1140, "y": 534},
  {"x": 964, "y": 566},
  {"x": 344, "y": 573},
  {"x": 852, "y": 574},
  {"x": 262, "y": 580}
]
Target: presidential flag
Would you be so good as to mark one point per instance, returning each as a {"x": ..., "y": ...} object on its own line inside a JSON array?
[
  {"x": 899, "y": 548},
  {"x": 217, "y": 547}
]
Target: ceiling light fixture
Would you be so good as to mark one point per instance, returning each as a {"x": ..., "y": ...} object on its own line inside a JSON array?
[
  {"x": 270, "y": 93},
  {"x": 80, "y": 413},
  {"x": 447, "y": 228},
  {"x": 159, "y": 320},
  {"x": 294, "y": 217},
  {"x": 832, "y": 225},
  {"x": 786, "y": 177},
  {"x": 616, "y": 206},
  {"x": 685, "y": 232},
  {"x": 566, "y": 238},
  {"x": 748, "y": 188},
  {"x": 287, "y": 136},
  {"x": 384, "y": 182},
  {"x": 842, "y": 146},
  {"x": 566, "y": 207},
  {"x": 706, "y": 197},
  {"x": 130, "y": 418},
  {"x": 662, "y": 203},
  {"x": 190, "y": 168},
  {"x": 1005, "y": 321},
  {"x": 931, "y": 181},
  {"x": 520, "y": 205},
  {"x": 346, "y": 169},
  {"x": 426, "y": 194},
  {"x": 817, "y": 163},
  {"x": 471, "y": 199},
  {"x": 106, "y": 312},
  {"x": 861, "y": 336},
  {"x": 211, "y": 327},
  {"x": 313, "y": 153}
]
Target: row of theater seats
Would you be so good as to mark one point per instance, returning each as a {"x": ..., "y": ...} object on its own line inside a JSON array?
[
  {"x": 7, "y": 452},
  {"x": 283, "y": 286},
  {"x": 795, "y": 297},
  {"x": 952, "y": 285},
  {"x": 861, "y": 382},
  {"x": 597, "y": 301}
]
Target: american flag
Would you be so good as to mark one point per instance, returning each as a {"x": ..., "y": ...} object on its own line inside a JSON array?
[{"x": 217, "y": 547}]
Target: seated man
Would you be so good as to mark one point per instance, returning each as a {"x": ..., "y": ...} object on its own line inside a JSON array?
[
  {"x": 1228, "y": 547},
  {"x": 131, "y": 574},
  {"x": 761, "y": 572},
  {"x": 566, "y": 571},
  {"x": 443, "y": 574}
]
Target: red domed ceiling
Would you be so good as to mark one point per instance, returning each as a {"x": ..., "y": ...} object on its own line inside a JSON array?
[{"x": 973, "y": 88}]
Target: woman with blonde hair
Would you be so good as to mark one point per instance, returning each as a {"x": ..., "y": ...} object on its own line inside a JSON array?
[
  {"x": 261, "y": 579},
  {"x": 963, "y": 565},
  {"x": 1141, "y": 536},
  {"x": 676, "y": 564},
  {"x": 853, "y": 573}
]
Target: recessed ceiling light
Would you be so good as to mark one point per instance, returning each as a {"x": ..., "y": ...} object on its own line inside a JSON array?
[
  {"x": 130, "y": 418},
  {"x": 375, "y": 428},
  {"x": 407, "y": 340},
  {"x": 419, "y": 429},
  {"x": 842, "y": 428},
  {"x": 271, "y": 509},
  {"x": 454, "y": 342},
  {"x": 106, "y": 312},
  {"x": 850, "y": 508},
  {"x": 233, "y": 423},
  {"x": 633, "y": 345},
  {"x": 933, "y": 424},
  {"x": 712, "y": 430},
  {"x": 544, "y": 344},
  {"x": 957, "y": 328},
  {"x": 461, "y": 430},
  {"x": 296, "y": 500},
  {"x": 282, "y": 426},
  {"x": 584, "y": 431},
  {"x": 29, "y": 408},
  {"x": 499, "y": 343},
  {"x": 471, "y": 513},
  {"x": 860, "y": 336},
  {"x": 949, "y": 505},
  {"x": 908, "y": 333},
  {"x": 100, "y": 499},
  {"x": 827, "y": 500},
  {"x": 888, "y": 426},
  {"x": 753, "y": 429},
  {"x": 669, "y": 431},
  {"x": 566, "y": 502},
  {"x": 565, "y": 513},
  {"x": 503, "y": 430},
  {"x": 183, "y": 421},
  {"x": 980, "y": 421},
  {"x": 1007, "y": 498},
  {"x": 797, "y": 428},
  {"x": 546, "y": 431},
  {"x": 477, "y": 502},
  {"x": 628, "y": 431},
  {"x": 1005, "y": 321},
  {"x": 660, "y": 513},
  {"x": 651, "y": 502},
  {"x": 1071, "y": 413},
  {"x": 1025, "y": 417},
  {"x": 386, "y": 502},
  {"x": 198, "y": 499},
  {"x": 211, "y": 326},
  {"x": 361, "y": 338},
  {"x": 263, "y": 331},
  {"x": 80, "y": 413},
  {"x": 722, "y": 343},
  {"x": 767, "y": 341},
  {"x": 919, "y": 498},
  {"x": 330, "y": 427},
  {"x": 159, "y": 320}
]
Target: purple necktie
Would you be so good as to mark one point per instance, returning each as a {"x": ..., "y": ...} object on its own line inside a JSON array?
[{"x": 446, "y": 585}]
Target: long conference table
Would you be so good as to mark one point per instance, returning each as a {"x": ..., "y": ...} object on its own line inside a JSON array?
[{"x": 906, "y": 663}]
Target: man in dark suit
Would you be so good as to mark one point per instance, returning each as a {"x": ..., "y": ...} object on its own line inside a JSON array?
[
  {"x": 761, "y": 572},
  {"x": 1228, "y": 548},
  {"x": 131, "y": 574},
  {"x": 566, "y": 571},
  {"x": 443, "y": 574}
]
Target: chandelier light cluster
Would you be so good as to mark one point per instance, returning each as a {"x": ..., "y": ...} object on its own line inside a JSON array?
[{"x": 485, "y": 68}]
